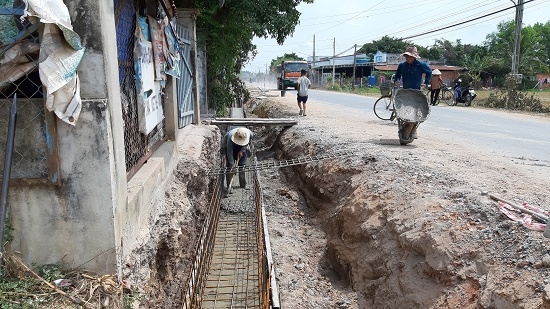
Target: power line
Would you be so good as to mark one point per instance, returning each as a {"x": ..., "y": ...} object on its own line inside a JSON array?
[
  {"x": 449, "y": 28},
  {"x": 436, "y": 8},
  {"x": 480, "y": 5},
  {"x": 464, "y": 22}
]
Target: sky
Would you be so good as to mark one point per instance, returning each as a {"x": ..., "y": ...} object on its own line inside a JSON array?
[{"x": 345, "y": 23}]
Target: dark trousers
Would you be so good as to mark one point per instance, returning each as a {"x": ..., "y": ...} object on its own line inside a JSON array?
[
  {"x": 434, "y": 95},
  {"x": 242, "y": 162}
]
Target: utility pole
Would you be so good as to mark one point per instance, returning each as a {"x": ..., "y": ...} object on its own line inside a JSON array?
[
  {"x": 313, "y": 66},
  {"x": 333, "y": 59},
  {"x": 517, "y": 36},
  {"x": 354, "y": 59}
]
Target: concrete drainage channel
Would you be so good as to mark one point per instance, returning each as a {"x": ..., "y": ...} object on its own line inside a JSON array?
[{"x": 233, "y": 267}]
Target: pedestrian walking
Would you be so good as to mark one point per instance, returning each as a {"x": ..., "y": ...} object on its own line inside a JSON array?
[{"x": 303, "y": 84}]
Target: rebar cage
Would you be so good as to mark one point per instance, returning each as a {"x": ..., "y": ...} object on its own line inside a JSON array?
[{"x": 241, "y": 276}]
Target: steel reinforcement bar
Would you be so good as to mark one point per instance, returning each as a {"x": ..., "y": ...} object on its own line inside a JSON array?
[
  {"x": 256, "y": 166},
  {"x": 191, "y": 296}
]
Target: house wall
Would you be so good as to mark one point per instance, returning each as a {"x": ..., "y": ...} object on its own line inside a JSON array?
[
  {"x": 448, "y": 77},
  {"x": 74, "y": 223},
  {"x": 96, "y": 218}
]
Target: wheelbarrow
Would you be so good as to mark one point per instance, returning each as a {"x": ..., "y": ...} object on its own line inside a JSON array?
[{"x": 411, "y": 109}]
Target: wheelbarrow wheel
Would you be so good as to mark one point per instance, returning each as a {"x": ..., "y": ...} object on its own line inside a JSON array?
[{"x": 405, "y": 129}]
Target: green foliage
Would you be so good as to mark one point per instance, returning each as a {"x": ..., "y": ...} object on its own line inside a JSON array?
[
  {"x": 534, "y": 48},
  {"x": 228, "y": 33},
  {"x": 131, "y": 300},
  {"x": 432, "y": 52},
  {"x": 386, "y": 44},
  {"x": 8, "y": 28},
  {"x": 8, "y": 229},
  {"x": 334, "y": 87},
  {"x": 51, "y": 272},
  {"x": 18, "y": 292},
  {"x": 476, "y": 65},
  {"x": 543, "y": 36}
]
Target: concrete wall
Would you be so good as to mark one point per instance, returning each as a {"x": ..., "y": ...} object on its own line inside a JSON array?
[
  {"x": 96, "y": 218},
  {"x": 75, "y": 223}
]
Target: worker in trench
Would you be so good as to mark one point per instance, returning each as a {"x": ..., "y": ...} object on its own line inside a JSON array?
[{"x": 236, "y": 147}]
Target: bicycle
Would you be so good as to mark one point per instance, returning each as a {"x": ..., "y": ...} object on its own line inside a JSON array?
[
  {"x": 383, "y": 107},
  {"x": 446, "y": 95}
]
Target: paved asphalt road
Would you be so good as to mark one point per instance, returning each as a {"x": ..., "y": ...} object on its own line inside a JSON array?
[{"x": 516, "y": 136}]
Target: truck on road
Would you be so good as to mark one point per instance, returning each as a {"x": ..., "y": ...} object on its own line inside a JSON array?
[{"x": 288, "y": 73}]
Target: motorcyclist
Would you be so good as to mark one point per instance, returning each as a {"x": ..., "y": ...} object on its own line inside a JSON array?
[{"x": 463, "y": 82}]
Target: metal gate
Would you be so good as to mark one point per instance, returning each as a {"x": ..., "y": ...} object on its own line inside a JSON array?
[{"x": 185, "y": 82}]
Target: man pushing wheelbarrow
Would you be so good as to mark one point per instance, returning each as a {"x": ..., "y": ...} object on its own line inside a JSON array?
[{"x": 411, "y": 104}]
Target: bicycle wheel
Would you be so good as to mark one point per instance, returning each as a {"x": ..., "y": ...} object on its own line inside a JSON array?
[
  {"x": 383, "y": 108},
  {"x": 446, "y": 97}
]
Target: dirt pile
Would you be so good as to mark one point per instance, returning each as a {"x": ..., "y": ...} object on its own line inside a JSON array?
[{"x": 405, "y": 226}]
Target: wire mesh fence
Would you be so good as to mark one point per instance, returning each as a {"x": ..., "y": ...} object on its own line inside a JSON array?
[
  {"x": 136, "y": 144},
  {"x": 34, "y": 154}
]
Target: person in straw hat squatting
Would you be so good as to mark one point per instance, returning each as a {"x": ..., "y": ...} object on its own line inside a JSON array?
[
  {"x": 435, "y": 86},
  {"x": 410, "y": 72},
  {"x": 235, "y": 146}
]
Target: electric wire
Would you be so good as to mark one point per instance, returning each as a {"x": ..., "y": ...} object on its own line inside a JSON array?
[
  {"x": 461, "y": 23},
  {"x": 441, "y": 30}
]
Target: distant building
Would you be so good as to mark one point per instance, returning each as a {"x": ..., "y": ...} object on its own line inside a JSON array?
[
  {"x": 387, "y": 63},
  {"x": 343, "y": 65}
]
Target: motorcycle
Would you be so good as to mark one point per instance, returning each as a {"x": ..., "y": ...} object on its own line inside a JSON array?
[
  {"x": 466, "y": 94},
  {"x": 411, "y": 109}
]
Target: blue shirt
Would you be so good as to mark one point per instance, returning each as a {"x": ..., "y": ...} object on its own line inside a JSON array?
[{"x": 412, "y": 74}]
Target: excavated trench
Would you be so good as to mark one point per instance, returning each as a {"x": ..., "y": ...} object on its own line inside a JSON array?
[
  {"x": 356, "y": 232},
  {"x": 386, "y": 258},
  {"x": 336, "y": 238},
  {"x": 402, "y": 231}
]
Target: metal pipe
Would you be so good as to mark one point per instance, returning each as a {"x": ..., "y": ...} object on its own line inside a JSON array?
[{"x": 7, "y": 170}]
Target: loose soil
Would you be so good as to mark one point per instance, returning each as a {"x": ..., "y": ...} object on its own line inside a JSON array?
[
  {"x": 396, "y": 226},
  {"x": 388, "y": 226}
]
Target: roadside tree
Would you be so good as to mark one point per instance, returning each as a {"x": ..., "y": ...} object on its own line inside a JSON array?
[{"x": 228, "y": 32}]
